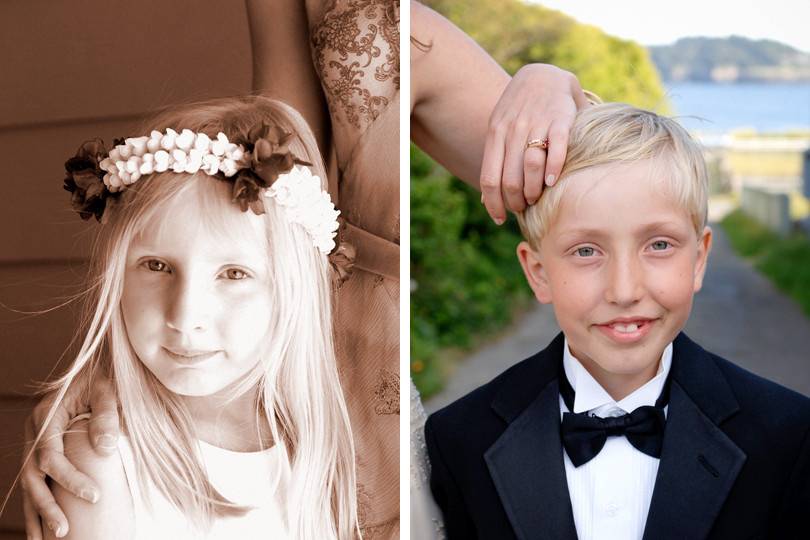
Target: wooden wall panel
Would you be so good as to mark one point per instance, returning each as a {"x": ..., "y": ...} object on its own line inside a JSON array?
[{"x": 100, "y": 59}]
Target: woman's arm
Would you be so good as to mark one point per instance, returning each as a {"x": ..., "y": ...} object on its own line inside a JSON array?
[
  {"x": 112, "y": 516},
  {"x": 455, "y": 85},
  {"x": 474, "y": 120},
  {"x": 38, "y": 501},
  {"x": 282, "y": 63}
]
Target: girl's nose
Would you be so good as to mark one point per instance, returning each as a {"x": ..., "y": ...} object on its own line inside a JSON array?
[
  {"x": 625, "y": 285},
  {"x": 188, "y": 307}
]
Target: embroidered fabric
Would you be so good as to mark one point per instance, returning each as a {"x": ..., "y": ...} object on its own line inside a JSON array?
[{"x": 355, "y": 50}]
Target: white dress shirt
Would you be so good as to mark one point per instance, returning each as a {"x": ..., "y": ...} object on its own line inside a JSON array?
[{"x": 611, "y": 493}]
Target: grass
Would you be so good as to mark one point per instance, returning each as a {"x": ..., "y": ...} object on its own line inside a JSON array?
[{"x": 785, "y": 261}]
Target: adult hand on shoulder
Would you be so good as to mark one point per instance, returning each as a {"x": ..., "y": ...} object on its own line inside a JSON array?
[
  {"x": 49, "y": 457},
  {"x": 539, "y": 103}
]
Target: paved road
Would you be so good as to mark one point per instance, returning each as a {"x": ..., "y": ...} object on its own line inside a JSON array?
[{"x": 739, "y": 315}]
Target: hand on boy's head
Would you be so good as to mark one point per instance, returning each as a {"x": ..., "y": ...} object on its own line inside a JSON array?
[
  {"x": 49, "y": 457},
  {"x": 539, "y": 103}
]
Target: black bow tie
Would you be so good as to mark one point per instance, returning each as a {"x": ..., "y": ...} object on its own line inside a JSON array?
[{"x": 584, "y": 436}]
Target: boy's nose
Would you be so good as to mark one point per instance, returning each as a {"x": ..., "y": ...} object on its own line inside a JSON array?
[
  {"x": 189, "y": 308},
  {"x": 625, "y": 284}
]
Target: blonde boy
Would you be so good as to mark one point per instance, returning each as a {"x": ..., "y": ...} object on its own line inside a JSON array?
[{"x": 622, "y": 427}]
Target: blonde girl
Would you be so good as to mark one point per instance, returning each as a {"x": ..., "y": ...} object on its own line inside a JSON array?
[{"x": 209, "y": 307}]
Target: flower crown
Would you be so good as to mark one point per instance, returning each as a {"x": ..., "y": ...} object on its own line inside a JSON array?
[{"x": 260, "y": 165}]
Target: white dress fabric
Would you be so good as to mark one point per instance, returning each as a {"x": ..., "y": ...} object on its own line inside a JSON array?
[
  {"x": 246, "y": 478},
  {"x": 611, "y": 493},
  {"x": 426, "y": 518}
]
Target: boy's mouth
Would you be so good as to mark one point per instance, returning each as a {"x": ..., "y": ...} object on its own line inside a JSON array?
[{"x": 625, "y": 329}]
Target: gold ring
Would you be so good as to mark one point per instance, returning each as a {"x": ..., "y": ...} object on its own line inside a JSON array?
[{"x": 542, "y": 144}]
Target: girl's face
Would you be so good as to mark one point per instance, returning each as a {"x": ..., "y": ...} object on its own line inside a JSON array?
[{"x": 196, "y": 300}]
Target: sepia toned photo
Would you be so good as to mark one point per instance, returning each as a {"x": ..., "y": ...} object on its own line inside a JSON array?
[{"x": 199, "y": 272}]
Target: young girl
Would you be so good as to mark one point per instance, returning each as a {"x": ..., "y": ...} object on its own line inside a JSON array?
[{"x": 209, "y": 307}]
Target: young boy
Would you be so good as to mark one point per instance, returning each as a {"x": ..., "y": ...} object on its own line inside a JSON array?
[{"x": 622, "y": 427}]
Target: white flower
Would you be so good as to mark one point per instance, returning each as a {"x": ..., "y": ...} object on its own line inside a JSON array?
[
  {"x": 185, "y": 140},
  {"x": 138, "y": 145},
  {"x": 168, "y": 140},
  {"x": 210, "y": 164},
  {"x": 228, "y": 167},
  {"x": 301, "y": 196},
  {"x": 202, "y": 143},
  {"x": 162, "y": 160},
  {"x": 153, "y": 144},
  {"x": 221, "y": 145}
]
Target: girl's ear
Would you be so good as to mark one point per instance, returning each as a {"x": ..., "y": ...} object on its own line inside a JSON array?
[{"x": 535, "y": 272}]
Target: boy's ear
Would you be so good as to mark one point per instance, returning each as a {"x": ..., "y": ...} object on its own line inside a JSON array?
[
  {"x": 535, "y": 272},
  {"x": 704, "y": 247}
]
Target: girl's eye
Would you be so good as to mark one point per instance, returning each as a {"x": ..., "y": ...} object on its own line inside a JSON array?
[
  {"x": 156, "y": 266},
  {"x": 585, "y": 252},
  {"x": 235, "y": 274},
  {"x": 659, "y": 245}
]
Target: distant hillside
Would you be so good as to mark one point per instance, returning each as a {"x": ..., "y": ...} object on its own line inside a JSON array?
[{"x": 731, "y": 59}]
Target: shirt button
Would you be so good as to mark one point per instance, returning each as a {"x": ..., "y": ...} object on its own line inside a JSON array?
[{"x": 612, "y": 509}]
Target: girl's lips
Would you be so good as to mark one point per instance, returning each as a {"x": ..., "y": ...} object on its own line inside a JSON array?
[
  {"x": 626, "y": 331},
  {"x": 191, "y": 358}
]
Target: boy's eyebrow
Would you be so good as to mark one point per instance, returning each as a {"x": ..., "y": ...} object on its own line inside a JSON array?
[
  {"x": 664, "y": 224},
  {"x": 667, "y": 225}
]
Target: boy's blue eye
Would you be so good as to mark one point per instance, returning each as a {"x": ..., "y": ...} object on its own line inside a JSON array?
[
  {"x": 156, "y": 266},
  {"x": 660, "y": 245},
  {"x": 585, "y": 252}
]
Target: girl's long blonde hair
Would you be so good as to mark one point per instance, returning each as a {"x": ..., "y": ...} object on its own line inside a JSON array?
[{"x": 299, "y": 391}]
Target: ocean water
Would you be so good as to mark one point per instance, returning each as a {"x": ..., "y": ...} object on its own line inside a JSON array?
[{"x": 719, "y": 108}]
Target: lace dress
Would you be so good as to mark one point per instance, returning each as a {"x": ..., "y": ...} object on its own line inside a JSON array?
[{"x": 355, "y": 49}]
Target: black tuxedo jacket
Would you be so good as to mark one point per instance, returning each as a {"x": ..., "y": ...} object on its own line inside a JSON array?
[{"x": 735, "y": 462}]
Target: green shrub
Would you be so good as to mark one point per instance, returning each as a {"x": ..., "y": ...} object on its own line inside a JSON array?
[
  {"x": 466, "y": 280},
  {"x": 785, "y": 261}
]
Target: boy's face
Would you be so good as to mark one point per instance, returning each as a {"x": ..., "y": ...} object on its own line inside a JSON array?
[{"x": 620, "y": 263}]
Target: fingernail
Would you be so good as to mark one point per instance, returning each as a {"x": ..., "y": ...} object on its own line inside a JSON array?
[
  {"x": 482, "y": 198},
  {"x": 106, "y": 441},
  {"x": 550, "y": 180},
  {"x": 499, "y": 221},
  {"x": 90, "y": 495},
  {"x": 531, "y": 202}
]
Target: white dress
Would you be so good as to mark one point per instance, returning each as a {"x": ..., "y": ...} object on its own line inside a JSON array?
[
  {"x": 426, "y": 518},
  {"x": 245, "y": 478}
]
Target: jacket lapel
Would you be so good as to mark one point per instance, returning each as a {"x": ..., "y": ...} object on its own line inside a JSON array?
[
  {"x": 699, "y": 463},
  {"x": 526, "y": 461}
]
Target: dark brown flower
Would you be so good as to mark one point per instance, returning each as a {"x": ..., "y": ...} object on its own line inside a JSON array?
[
  {"x": 84, "y": 180},
  {"x": 271, "y": 155},
  {"x": 342, "y": 262},
  {"x": 247, "y": 186}
]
